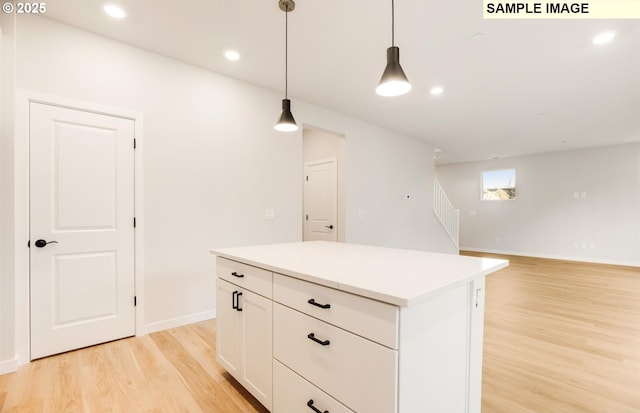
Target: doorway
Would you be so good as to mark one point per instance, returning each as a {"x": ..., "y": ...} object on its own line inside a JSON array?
[
  {"x": 323, "y": 215},
  {"x": 82, "y": 228}
]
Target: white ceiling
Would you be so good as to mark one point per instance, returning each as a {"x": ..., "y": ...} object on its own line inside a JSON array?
[{"x": 524, "y": 86}]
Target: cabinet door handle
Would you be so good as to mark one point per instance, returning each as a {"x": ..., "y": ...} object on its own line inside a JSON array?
[
  {"x": 313, "y": 302},
  {"x": 312, "y": 336},
  {"x": 235, "y": 274},
  {"x": 314, "y": 408},
  {"x": 234, "y": 297},
  {"x": 238, "y": 302}
]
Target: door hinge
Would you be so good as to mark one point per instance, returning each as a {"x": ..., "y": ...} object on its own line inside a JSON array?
[
  {"x": 306, "y": 217},
  {"x": 307, "y": 178},
  {"x": 29, "y": 244},
  {"x": 135, "y": 300},
  {"x": 134, "y": 143},
  {"x": 134, "y": 222}
]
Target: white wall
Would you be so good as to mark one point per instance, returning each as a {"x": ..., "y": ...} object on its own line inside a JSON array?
[
  {"x": 545, "y": 219},
  {"x": 7, "y": 279},
  {"x": 380, "y": 172},
  {"x": 213, "y": 162}
]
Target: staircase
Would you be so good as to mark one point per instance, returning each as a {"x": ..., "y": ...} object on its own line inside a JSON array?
[{"x": 448, "y": 216}]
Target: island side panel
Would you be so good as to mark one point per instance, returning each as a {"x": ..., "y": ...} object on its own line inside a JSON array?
[
  {"x": 476, "y": 339},
  {"x": 433, "y": 354}
]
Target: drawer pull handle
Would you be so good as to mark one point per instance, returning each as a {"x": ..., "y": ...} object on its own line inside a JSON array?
[
  {"x": 314, "y": 408},
  {"x": 235, "y": 274},
  {"x": 312, "y": 336},
  {"x": 313, "y": 302}
]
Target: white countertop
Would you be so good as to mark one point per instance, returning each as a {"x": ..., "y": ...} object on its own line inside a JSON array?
[{"x": 395, "y": 276}]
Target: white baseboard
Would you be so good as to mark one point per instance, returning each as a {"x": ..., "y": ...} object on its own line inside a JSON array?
[
  {"x": 177, "y": 322},
  {"x": 8, "y": 366},
  {"x": 555, "y": 257}
]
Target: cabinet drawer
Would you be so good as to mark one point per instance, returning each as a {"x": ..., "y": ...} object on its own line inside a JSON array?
[
  {"x": 372, "y": 319},
  {"x": 357, "y": 372},
  {"x": 293, "y": 394},
  {"x": 252, "y": 278}
]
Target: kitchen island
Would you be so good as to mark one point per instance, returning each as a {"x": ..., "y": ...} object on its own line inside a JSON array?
[{"x": 338, "y": 328}]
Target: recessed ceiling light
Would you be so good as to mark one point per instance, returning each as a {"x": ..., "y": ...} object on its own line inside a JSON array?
[
  {"x": 603, "y": 38},
  {"x": 437, "y": 90},
  {"x": 115, "y": 11},
  {"x": 232, "y": 55}
]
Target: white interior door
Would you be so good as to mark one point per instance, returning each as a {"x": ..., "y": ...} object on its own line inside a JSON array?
[
  {"x": 82, "y": 205},
  {"x": 321, "y": 200}
]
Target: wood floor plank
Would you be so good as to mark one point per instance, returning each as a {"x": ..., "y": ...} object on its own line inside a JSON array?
[
  {"x": 560, "y": 337},
  {"x": 162, "y": 381}
]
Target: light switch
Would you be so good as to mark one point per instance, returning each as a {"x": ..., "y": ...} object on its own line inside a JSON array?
[{"x": 269, "y": 214}]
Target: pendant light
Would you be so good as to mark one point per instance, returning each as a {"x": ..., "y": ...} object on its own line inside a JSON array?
[
  {"x": 286, "y": 122},
  {"x": 393, "y": 82}
]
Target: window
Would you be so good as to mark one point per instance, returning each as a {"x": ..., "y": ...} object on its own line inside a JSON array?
[{"x": 499, "y": 185}]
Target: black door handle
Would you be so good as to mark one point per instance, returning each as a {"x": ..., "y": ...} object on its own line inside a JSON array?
[
  {"x": 235, "y": 274},
  {"x": 312, "y": 336},
  {"x": 314, "y": 408},
  {"x": 238, "y": 302},
  {"x": 42, "y": 243},
  {"x": 329, "y": 226}
]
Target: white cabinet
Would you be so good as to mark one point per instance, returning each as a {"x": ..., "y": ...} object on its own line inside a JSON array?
[
  {"x": 244, "y": 334},
  {"x": 228, "y": 328},
  {"x": 339, "y": 328}
]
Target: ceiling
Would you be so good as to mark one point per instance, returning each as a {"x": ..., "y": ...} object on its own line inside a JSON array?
[{"x": 511, "y": 87}]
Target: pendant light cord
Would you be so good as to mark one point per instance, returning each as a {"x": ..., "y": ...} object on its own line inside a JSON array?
[
  {"x": 393, "y": 24},
  {"x": 286, "y": 49}
]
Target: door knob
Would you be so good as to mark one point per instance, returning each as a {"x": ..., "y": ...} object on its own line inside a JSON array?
[
  {"x": 42, "y": 243},
  {"x": 329, "y": 226}
]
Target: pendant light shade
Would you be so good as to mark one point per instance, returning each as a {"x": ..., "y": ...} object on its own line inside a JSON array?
[
  {"x": 393, "y": 81},
  {"x": 286, "y": 122}
]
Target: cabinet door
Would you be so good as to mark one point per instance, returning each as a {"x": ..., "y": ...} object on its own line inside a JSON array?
[
  {"x": 257, "y": 344},
  {"x": 228, "y": 329}
]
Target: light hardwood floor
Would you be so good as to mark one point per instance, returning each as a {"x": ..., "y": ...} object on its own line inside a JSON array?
[
  {"x": 165, "y": 372},
  {"x": 560, "y": 337}
]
